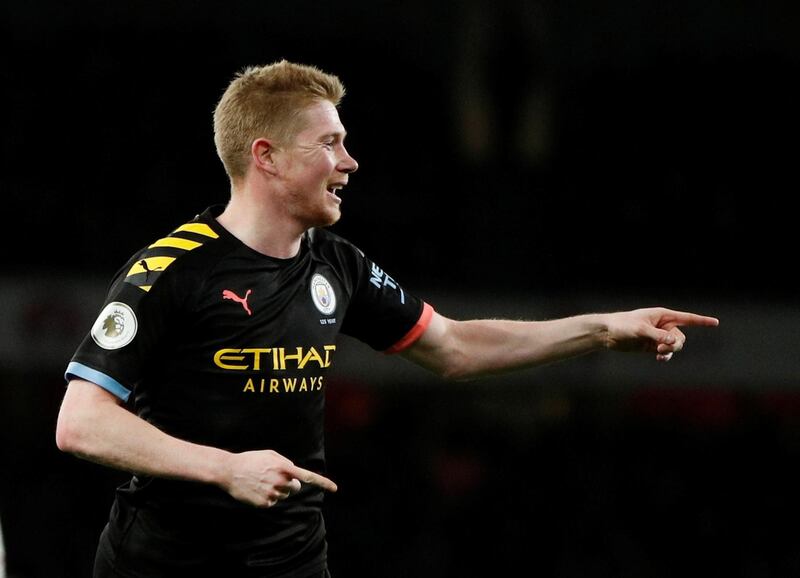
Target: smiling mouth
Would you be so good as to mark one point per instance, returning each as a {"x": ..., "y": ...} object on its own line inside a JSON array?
[{"x": 333, "y": 190}]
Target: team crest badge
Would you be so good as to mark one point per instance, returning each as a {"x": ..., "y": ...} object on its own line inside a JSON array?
[
  {"x": 115, "y": 326},
  {"x": 322, "y": 294}
]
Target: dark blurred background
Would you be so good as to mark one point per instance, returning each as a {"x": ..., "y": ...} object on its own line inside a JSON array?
[{"x": 522, "y": 159}]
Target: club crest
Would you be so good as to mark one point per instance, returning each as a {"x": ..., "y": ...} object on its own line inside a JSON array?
[{"x": 322, "y": 294}]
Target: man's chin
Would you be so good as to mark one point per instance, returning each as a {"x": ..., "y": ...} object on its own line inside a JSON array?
[{"x": 326, "y": 220}]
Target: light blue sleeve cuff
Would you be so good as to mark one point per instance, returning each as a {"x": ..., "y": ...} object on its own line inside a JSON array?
[{"x": 110, "y": 384}]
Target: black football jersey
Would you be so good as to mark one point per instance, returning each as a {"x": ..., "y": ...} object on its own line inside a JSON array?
[{"x": 215, "y": 343}]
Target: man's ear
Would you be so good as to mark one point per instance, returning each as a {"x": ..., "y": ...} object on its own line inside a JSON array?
[{"x": 262, "y": 152}]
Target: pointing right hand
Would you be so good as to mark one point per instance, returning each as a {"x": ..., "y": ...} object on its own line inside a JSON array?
[{"x": 262, "y": 478}]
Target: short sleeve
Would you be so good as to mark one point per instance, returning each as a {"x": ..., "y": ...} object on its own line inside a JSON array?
[
  {"x": 124, "y": 338},
  {"x": 381, "y": 312}
]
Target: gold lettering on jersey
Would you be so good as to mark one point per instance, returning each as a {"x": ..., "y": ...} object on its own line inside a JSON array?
[
  {"x": 274, "y": 358},
  {"x": 224, "y": 356},
  {"x": 283, "y": 385}
]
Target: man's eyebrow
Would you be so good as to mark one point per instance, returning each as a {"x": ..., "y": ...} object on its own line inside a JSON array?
[{"x": 336, "y": 134}]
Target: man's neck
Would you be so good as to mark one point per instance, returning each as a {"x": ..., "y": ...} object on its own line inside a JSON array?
[{"x": 265, "y": 229}]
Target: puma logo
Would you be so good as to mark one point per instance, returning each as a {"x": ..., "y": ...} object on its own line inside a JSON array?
[
  {"x": 228, "y": 294},
  {"x": 147, "y": 270}
]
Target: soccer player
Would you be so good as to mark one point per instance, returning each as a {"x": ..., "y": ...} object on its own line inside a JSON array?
[{"x": 204, "y": 374}]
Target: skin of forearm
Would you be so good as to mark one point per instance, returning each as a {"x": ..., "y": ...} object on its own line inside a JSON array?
[
  {"x": 487, "y": 347},
  {"x": 113, "y": 436}
]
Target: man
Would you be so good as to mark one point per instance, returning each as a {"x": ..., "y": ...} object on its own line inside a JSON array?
[{"x": 218, "y": 336}]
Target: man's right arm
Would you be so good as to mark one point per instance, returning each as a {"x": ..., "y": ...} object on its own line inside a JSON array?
[{"x": 93, "y": 425}]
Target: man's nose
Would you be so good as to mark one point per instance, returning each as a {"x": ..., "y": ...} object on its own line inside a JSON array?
[{"x": 348, "y": 164}]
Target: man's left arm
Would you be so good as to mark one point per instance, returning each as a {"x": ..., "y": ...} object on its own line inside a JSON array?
[{"x": 469, "y": 349}]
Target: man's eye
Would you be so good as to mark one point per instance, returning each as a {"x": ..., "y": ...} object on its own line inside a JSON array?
[{"x": 328, "y": 145}]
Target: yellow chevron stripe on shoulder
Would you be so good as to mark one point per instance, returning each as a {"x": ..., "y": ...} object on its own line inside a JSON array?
[
  {"x": 199, "y": 228},
  {"x": 152, "y": 263},
  {"x": 176, "y": 242}
]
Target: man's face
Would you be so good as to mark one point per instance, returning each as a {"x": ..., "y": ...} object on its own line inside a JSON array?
[{"x": 315, "y": 167}]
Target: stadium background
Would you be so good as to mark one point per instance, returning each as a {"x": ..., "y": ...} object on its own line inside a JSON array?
[{"x": 518, "y": 159}]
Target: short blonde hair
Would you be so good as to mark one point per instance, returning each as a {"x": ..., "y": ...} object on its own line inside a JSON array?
[{"x": 266, "y": 102}]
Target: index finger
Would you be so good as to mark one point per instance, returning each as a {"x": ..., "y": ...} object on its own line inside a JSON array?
[
  {"x": 686, "y": 318},
  {"x": 309, "y": 477}
]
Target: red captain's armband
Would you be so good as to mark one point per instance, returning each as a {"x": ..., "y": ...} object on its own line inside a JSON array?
[{"x": 415, "y": 332}]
